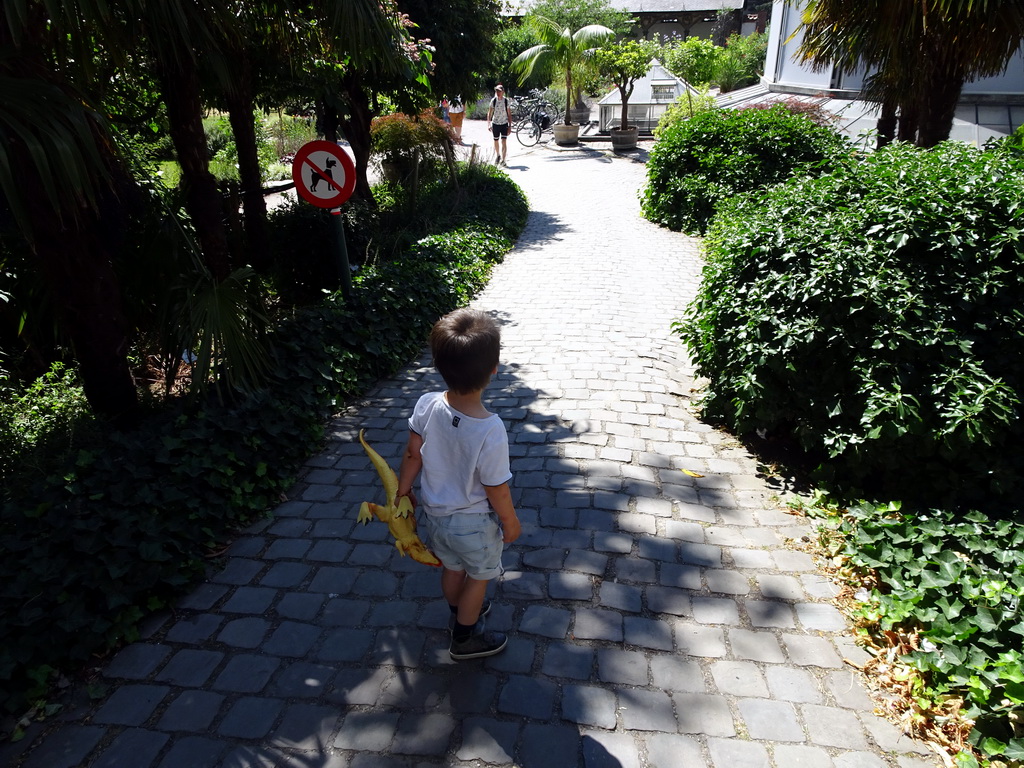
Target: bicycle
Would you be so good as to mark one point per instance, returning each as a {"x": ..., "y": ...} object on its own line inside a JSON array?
[{"x": 530, "y": 130}]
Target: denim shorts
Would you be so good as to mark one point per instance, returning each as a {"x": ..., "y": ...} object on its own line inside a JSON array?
[{"x": 470, "y": 542}]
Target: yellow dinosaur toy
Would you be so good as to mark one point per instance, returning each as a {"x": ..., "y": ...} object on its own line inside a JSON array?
[{"x": 400, "y": 519}]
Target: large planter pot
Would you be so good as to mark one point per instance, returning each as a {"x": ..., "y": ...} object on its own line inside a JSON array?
[
  {"x": 580, "y": 114},
  {"x": 624, "y": 138},
  {"x": 566, "y": 135},
  {"x": 391, "y": 170}
]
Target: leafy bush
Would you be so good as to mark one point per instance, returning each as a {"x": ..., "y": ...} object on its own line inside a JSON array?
[
  {"x": 394, "y": 138},
  {"x": 121, "y": 529},
  {"x": 874, "y": 315},
  {"x": 954, "y": 582},
  {"x": 699, "y": 162},
  {"x": 683, "y": 108},
  {"x": 694, "y": 59},
  {"x": 814, "y": 111},
  {"x": 741, "y": 62}
]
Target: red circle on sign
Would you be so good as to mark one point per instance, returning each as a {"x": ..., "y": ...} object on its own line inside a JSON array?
[{"x": 324, "y": 174}]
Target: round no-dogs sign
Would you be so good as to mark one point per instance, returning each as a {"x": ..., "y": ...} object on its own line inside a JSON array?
[{"x": 324, "y": 174}]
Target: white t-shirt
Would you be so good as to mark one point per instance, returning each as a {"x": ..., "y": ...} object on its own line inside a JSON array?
[
  {"x": 500, "y": 107},
  {"x": 461, "y": 454}
]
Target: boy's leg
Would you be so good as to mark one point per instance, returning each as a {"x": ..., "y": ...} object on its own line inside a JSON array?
[
  {"x": 504, "y": 150},
  {"x": 471, "y": 600}
]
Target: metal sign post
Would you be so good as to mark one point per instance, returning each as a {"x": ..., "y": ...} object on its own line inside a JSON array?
[{"x": 325, "y": 176}]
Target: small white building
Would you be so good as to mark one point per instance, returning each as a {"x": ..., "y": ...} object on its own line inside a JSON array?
[{"x": 652, "y": 95}]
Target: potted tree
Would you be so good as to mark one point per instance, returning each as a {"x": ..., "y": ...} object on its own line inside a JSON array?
[
  {"x": 567, "y": 52},
  {"x": 624, "y": 63}
]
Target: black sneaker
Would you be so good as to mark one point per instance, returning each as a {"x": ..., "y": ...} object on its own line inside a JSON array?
[
  {"x": 478, "y": 645},
  {"x": 484, "y": 610}
]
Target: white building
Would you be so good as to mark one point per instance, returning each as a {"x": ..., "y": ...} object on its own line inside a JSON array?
[{"x": 989, "y": 107}]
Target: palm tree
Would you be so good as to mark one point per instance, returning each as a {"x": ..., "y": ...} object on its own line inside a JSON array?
[
  {"x": 567, "y": 52},
  {"x": 923, "y": 52}
]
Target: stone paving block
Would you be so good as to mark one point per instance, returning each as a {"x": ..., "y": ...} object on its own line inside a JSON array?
[
  {"x": 547, "y": 622},
  {"x": 190, "y": 668},
  {"x": 866, "y": 760},
  {"x": 696, "y": 640},
  {"x": 567, "y": 660},
  {"x": 548, "y": 746},
  {"x": 373, "y": 554},
  {"x": 751, "y": 645},
  {"x": 600, "y": 521},
  {"x": 288, "y": 549},
  {"x": 137, "y": 661},
  {"x": 632, "y": 522},
  {"x": 789, "y": 561},
  {"x": 589, "y": 705},
  {"x": 398, "y": 647},
  {"x": 423, "y": 734},
  {"x": 333, "y": 580},
  {"x": 805, "y": 651},
  {"x": 905, "y": 761},
  {"x": 362, "y": 686},
  {"x": 674, "y": 751},
  {"x": 394, "y": 613},
  {"x": 715, "y": 610},
  {"x": 237, "y": 571},
  {"x": 690, "y": 509},
  {"x": 775, "y": 586},
  {"x": 328, "y": 551},
  {"x": 643, "y": 710},
  {"x": 66, "y": 748},
  {"x": 751, "y": 559},
  {"x": 890, "y": 738},
  {"x": 766, "y": 613},
  {"x": 682, "y": 576},
  {"x": 131, "y": 704},
  {"x": 818, "y": 586},
  {"x": 285, "y": 575},
  {"x": 587, "y": 562},
  {"x": 738, "y": 678},
  {"x": 703, "y": 713},
  {"x": 412, "y": 690},
  {"x": 672, "y": 673},
  {"x": 655, "y": 634},
  {"x": 820, "y": 616},
  {"x": 299, "y": 605},
  {"x": 246, "y": 673},
  {"x": 292, "y": 639},
  {"x": 624, "y": 667},
  {"x": 134, "y": 746},
  {"x": 250, "y": 717},
  {"x": 244, "y": 633},
  {"x": 790, "y": 684},
  {"x": 367, "y": 731},
  {"x": 598, "y": 624},
  {"x": 302, "y": 679},
  {"x": 528, "y": 697},
  {"x": 654, "y": 548},
  {"x": 731, "y": 753},
  {"x": 848, "y": 691},
  {"x": 491, "y": 741},
  {"x": 345, "y": 612},
  {"x": 833, "y": 727},
  {"x": 548, "y": 557},
  {"x": 517, "y": 656},
  {"x": 254, "y": 600},
  {"x": 573, "y": 540},
  {"x": 609, "y": 750},
  {"x": 191, "y": 711},
  {"x": 525, "y": 586},
  {"x": 799, "y": 756},
  {"x": 767, "y": 720},
  {"x": 726, "y": 582},
  {"x": 289, "y": 527},
  {"x": 632, "y": 569},
  {"x": 616, "y": 543},
  {"x": 623, "y": 597},
  {"x": 203, "y": 597},
  {"x": 668, "y": 601},
  {"x": 306, "y": 727},
  {"x": 375, "y": 583},
  {"x": 195, "y": 752}
]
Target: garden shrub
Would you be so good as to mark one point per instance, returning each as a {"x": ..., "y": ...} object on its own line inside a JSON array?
[
  {"x": 123, "y": 527},
  {"x": 683, "y": 108},
  {"x": 701, "y": 161},
  {"x": 693, "y": 59},
  {"x": 874, "y": 316}
]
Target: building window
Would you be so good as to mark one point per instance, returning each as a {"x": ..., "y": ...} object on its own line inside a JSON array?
[{"x": 663, "y": 91}]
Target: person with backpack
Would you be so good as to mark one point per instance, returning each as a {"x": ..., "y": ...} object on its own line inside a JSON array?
[{"x": 498, "y": 120}]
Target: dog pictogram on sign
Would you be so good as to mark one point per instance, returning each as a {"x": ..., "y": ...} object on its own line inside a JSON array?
[{"x": 324, "y": 174}]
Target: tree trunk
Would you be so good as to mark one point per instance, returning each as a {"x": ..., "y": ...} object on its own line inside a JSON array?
[
  {"x": 240, "y": 112},
  {"x": 886, "y": 124},
  {"x": 936, "y": 118},
  {"x": 356, "y": 128},
  {"x": 180, "y": 86}
]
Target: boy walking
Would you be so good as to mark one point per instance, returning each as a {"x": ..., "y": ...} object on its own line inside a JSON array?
[
  {"x": 498, "y": 121},
  {"x": 460, "y": 451}
]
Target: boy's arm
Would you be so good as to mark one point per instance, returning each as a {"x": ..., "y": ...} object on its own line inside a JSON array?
[
  {"x": 412, "y": 463},
  {"x": 500, "y": 497}
]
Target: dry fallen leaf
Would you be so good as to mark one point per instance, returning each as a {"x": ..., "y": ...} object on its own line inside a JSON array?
[{"x": 692, "y": 474}]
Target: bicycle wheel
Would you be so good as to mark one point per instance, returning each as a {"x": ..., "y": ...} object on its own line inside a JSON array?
[{"x": 528, "y": 133}]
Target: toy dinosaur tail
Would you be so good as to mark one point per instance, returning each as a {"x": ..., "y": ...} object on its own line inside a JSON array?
[{"x": 387, "y": 474}]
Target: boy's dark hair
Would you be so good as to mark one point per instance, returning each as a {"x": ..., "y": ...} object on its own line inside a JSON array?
[{"x": 465, "y": 344}]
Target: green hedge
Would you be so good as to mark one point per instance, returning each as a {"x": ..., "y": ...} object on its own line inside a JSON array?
[
  {"x": 123, "y": 530},
  {"x": 875, "y": 316},
  {"x": 706, "y": 159}
]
